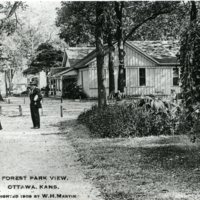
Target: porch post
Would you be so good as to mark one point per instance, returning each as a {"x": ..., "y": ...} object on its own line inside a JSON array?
[{"x": 61, "y": 85}]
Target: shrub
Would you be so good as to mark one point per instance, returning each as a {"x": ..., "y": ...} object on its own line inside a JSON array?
[
  {"x": 75, "y": 92},
  {"x": 189, "y": 120},
  {"x": 126, "y": 120}
]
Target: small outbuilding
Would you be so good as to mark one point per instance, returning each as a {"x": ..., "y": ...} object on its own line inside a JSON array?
[{"x": 61, "y": 78}]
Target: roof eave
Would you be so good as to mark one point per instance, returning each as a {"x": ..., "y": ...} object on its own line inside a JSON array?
[
  {"x": 174, "y": 64},
  {"x": 62, "y": 73}
]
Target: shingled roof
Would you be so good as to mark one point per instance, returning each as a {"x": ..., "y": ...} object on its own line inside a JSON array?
[
  {"x": 161, "y": 51},
  {"x": 75, "y": 54}
]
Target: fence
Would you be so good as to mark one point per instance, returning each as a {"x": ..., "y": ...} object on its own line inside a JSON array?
[{"x": 50, "y": 107}]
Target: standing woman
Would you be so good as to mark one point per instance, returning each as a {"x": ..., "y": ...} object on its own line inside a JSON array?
[{"x": 35, "y": 104}]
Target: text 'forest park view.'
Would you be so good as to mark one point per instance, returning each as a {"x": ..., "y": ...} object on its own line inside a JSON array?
[{"x": 100, "y": 100}]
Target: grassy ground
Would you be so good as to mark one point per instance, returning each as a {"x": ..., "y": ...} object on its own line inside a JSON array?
[{"x": 156, "y": 168}]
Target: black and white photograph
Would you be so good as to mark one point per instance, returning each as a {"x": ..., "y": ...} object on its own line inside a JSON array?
[{"x": 99, "y": 100}]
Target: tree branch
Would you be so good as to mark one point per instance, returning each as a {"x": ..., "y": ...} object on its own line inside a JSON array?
[
  {"x": 14, "y": 8},
  {"x": 144, "y": 21}
]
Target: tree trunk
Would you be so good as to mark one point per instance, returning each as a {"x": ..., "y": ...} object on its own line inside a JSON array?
[
  {"x": 1, "y": 98},
  {"x": 189, "y": 60},
  {"x": 111, "y": 65},
  {"x": 193, "y": 11},
  {"x": 6, "y": 85},
  {"x": 100, "y": 54},
  {"x": 119, "y": 6}
]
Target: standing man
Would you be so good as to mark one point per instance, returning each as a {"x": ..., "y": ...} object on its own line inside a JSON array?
[{"x": 35, "y": 104}]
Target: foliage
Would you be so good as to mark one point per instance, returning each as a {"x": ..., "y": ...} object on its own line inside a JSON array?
[
  {"x": 74, "y": 20},
  {"x": 127, "y": 120},
  {"x": 75, "y": 92},
  {"x": 190, "y": 70},
  {"x": 46, "y": 57},
  {"x": 169, "y": 16},
  {"x": 32, "y": 27},
  {"x": 8, "y": 23},
  {"x": 190, "y": 65},
  {"x": 189, "y": 121},
  {"x": 170, "y": 26}
]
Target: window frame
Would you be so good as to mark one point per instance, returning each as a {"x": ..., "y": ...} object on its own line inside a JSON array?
[
  {"x": 143, "y": 77},
  {"x": 174, "y": 77}
]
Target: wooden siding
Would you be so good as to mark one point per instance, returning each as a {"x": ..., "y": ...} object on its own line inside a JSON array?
[
  {"x": 159, "y": 80},
  {"x": 92, "y": 80},
  {"x": 84, "y": 80},
  {"x": 134, "y": 58}
]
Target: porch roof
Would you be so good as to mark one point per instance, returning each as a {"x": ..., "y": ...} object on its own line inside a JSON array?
[
  {"x": 56, "y": 70},
  {"x": 66, "y": 72}
]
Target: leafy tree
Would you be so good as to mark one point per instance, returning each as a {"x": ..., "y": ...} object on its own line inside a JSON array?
[
  {"x": 7, "y": 26},
  {"x": 46, "y": 57},
  {"x": 190, "y": 60},
  {"x": 77, "y": 22}
]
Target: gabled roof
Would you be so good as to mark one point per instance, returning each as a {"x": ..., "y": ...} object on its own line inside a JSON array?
[
  {"x": 85, "y": 60},
  {"x": 75, "y": 54},
  {"x": 164, "y": 52},
  {"x": 88, "y": 58}
]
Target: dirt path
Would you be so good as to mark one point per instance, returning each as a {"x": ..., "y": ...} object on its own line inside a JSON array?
[{"x": 28, "y": 155}]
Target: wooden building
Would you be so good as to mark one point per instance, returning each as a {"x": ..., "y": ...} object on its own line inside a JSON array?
[
  {"x": 60, "y": 78},
  {"x": 151, "y": 67}
]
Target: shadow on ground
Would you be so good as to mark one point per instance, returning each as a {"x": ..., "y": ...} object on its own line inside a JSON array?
[{"x": 156, "y": 168}]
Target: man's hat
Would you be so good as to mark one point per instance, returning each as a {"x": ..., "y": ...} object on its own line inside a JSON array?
[{"x": 34, "y": 83}]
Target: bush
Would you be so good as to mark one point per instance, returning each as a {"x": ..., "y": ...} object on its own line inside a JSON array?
[
  {"x": 75, "y": 92},
  {"x": 126, "y": 120},
  {"x": 189, "y": 121}
]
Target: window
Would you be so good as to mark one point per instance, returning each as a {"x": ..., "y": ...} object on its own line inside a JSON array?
[
  {"x": 59, "y": 84},
  {"x": 142, "y": 76},
  {"x": 175, "y": 76},
  {"x": 81, "y": 78},
  {"x": 124, "y": 77}
]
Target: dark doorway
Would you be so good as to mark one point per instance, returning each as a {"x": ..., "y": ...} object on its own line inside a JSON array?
[{"x": 69, "y": 84}]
